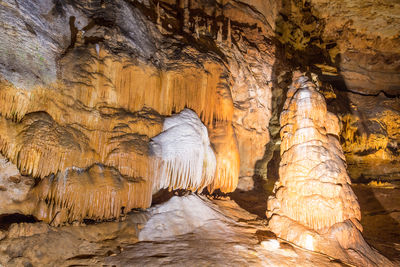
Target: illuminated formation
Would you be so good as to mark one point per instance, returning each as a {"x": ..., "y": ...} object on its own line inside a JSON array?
[
  {"x": 96, "y": 193},
  {"x": 87, "y": 135},
  {"x": 314, "y": 205},
  {"x": 223, "y": 139},
  {"x": 183, "y": 158},
  {"x": 314, "y": 188}
]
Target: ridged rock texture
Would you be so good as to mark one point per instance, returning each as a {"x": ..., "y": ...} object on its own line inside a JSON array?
[
  {"x": 183, "y": 157},
  {"x": 370, "y": 135},
  {"x": 314, "y": 205},
  {"x": 103, "y": 104},
  {"x": 86, "y": 85}
]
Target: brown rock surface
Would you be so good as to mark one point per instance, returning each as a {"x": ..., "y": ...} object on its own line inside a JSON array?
[
  {"x": 86, "y": 85},
  {"x": 359, "y": 39},
  {"x": 97, "y": 92},
  {"x": 370, "y": 136},
  {"x": 380, "y": 212},
  {"x": 13, "y": 187},
  {"x": 355, "y": 46}
]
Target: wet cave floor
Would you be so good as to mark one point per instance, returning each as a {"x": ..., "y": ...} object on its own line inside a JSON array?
[{"x": 191, "y": 230}]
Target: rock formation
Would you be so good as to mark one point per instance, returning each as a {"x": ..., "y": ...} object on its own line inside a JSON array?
[
  {"x": 314, "y": 205},
  {"x": 370, "y": 136},
  {"x": 354, "y": 46},
  {"x": 104, "y": 104},
  {"x": 182, "y": 155},
  {"x": 98, "y": 114}
]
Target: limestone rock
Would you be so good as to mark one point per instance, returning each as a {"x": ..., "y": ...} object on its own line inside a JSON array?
[
  {"x": 224, "y": 143},
  {"x": 246, "y": 184},
  {"x": 18, "y": 230},
  {"x": 314, "y": 205},
  {"x": 218, "y": 232},
  {"x": 370, "y": 136},
  {"x": 183, "y": 157},
  {"x": 114, "y": 78},
  {"x": 13, "y": 186},
  {"x": 179, "y": 216}
]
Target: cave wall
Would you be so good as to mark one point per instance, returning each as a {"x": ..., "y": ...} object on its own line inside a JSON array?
[
  {"x": 354, "y": 48},
  {"x": 86, "y": 85}
]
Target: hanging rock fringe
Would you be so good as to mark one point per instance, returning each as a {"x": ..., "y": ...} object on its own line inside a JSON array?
[
  {"x": 104, "y": 109},
  {"x": 182, "y": 155},
  {"x": 223, "y": 140},
  {"x": 96, "y": 193}
]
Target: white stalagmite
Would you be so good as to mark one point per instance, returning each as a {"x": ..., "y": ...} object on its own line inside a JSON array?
[{"x": 182, "y": 154}]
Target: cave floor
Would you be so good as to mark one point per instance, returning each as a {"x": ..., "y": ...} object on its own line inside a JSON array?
[
  {"x": 380, "y": 208},
  {"x": 182, "y": 231},
  {"x": 192, "y": 230}
]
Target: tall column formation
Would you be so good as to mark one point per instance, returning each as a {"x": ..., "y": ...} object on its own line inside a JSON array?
[
  {"x": 314, "y": 188},
  {"x": 314, "y": 205}
]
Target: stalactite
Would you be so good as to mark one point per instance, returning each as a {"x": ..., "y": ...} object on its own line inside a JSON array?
[
  {"x": 196, "y": 27},
  {"x": 106, "y": 80},
  {"x": 182, "y": 155},
  {"x": 158, "y": 22},
  {"x": 223, "y": 140},
  {"x": 96, "y": 193},
  {"x": 209, "y": 24},
  {"x": 103, "y": 113},
  {"x": 314, "y": 188},
  {"x": 219, "y": 33},
  {"x": 39, "y": 146},
  {"x": 229, "y": 34},
  {"x": 87, "y": 104}
]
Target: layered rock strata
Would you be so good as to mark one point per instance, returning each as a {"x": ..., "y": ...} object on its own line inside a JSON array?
[
  {"x": 370, "y": 136},
  {"x": 314, "y": 205}
]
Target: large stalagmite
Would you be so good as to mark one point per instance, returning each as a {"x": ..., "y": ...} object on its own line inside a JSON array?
[
  {"x": 314, "y": 205},
  {"x": 314, "y": 188}
]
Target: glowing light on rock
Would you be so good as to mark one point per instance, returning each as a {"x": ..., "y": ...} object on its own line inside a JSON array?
[
  {"x": 314, "y": 188},
  {"x": 106, "y": 116},
  {"x": 309, "y": 243}
]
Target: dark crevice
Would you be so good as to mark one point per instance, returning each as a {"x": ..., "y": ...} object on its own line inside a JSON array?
[
  {"x": 74, "y": 32},
  {"x": 6, "y": 220}
]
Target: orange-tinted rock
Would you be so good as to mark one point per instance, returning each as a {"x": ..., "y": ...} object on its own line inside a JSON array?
[
  {"x": 223, "y": 140},
  {"x": 370, "y": 137},
  {"x": 314, "y": 187},
  {"x": 14, "y": 188},
  {"x": 101, "y": 110},
  {"x": 97, "y": 193}
]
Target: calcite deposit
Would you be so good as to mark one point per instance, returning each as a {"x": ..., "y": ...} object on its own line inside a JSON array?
[
  {"x": 314, "y": 205},
  {"x": 182, "y": 155},
  {"x": 107, "y": 101},
  {"x": 370, "y": 136},
  {"x": 108, "y": 108},
  {"x": 314, "y": 188},
  {"x": 354, "y": 46}
]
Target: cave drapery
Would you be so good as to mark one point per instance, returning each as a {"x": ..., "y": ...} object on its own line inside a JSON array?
[{"x": 105, "y": 104}]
